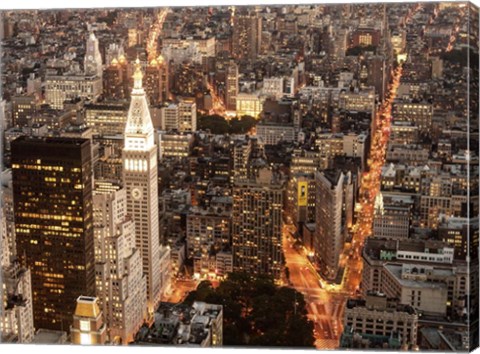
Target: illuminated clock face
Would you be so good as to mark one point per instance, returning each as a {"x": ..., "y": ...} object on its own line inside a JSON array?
[
  {"x": 136, "y": 194},
  {"x": 90, "y": 57}
]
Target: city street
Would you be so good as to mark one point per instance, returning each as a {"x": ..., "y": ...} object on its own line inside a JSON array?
[
  {"x": 180, "y": 288},
  {"x": 326, "y": 302},
  {"x": 155, "y": 31},
  {"x": 324, "y": 308}
]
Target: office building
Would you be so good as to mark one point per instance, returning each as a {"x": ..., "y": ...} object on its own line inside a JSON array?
[
  {"x": 420, "y": 114},
  {"x": 248, "y": 104},
  {"x": 328, "y": 242},
  {"x": 16, "y": 313},
  {"x": 232, "y": 86},
  {"x": 273, "y": 87},
  {"x": 174, "y": 145},
  {"x": 378, "y": 321},
  {"x": 458, "y": 232},
  {"x": 24, "y": 108},
  {"x": 53, "y": 209},
  {"x": 208, "y": 227},
  {"x": 141, "y": 184},
  {"x": 181, "y": 116},
  {"x": 120, "y": 284},
  {"x": 61, "y": 88},
  {"x": 106, "y": 118},
  {"x": 301, "y": 198}
]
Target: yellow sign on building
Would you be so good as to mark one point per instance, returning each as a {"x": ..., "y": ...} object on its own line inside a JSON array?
[{"x": 302, "y": 193}]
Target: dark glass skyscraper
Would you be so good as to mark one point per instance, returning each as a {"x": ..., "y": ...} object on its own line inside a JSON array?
[{"x": 52, "y": 190}]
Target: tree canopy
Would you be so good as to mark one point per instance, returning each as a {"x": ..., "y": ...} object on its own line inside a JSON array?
[
  {"x": 460, "y": 57},
  {"x": 256, "y": 312},
  {"x": 219, "y": 125},
  {"x": 355, "y": 51}
]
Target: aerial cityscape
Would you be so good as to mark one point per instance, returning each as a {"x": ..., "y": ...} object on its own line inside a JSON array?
[{"x": 290, "y": 176}]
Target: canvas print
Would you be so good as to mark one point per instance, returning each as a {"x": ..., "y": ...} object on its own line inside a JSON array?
[{"x": 263, "y": 176}]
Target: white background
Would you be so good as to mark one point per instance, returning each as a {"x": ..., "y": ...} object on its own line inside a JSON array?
[{"x": 46, "y": 4}]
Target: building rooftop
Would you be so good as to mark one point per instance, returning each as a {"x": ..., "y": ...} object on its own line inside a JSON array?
[
  {"x": 46, "y": 336},
  {"x": 180, "y": 324},
  {"x": 87, "y": 306},
  {"x": 400, "y": 272}
]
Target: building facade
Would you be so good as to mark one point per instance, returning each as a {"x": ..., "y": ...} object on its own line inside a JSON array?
[
  {"x": 53, "y": 209},
  {"x": 257, "y": 225},
  {"x": 120, "y": 284},
  {"x": 328, "y": 242},
  {"x": 140, "y": 177}
]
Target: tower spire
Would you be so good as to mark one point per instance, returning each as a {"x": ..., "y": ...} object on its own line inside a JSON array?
[
  {"x": 138, "y": 76},
  {"x": 139, "y": 127}
]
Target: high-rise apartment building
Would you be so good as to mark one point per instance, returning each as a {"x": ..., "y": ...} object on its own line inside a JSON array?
[
  {"x": 120, "y": 284},
  {"x": 140, "y": 177},
  {"x": 241, "y": 154},
  {"x": 247, "y": 36},
  {"x": 113, "y": 81},
  {"x": 257, "y": 225},
  {"x": 53, "y": 209},
  {"x": 187, "y": 111},
  {"x": 156, "y": 81},
  {"x": 209, "y": 228},
  {"x": 181, "y": 116},
  {"x": 232, "y": 86}
]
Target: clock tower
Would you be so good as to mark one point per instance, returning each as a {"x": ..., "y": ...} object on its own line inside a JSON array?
[
  {"x": 93, "y": 58},
  {"x": 140, "y": 179}
]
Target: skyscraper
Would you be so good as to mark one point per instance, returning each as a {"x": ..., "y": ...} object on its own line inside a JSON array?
[
  {"x": 156, "y": 81},
  {"x": 247, "y": 36},
  {"x": 120, "y": 284},
  {"x": 328, "y": 243},
  {"x": 93, "y": 58},
  {"x": 257, "y": 225},
  {"x": 52, "y": 192},
  {"x": 113, "y": 81},
  {"x": 140, "y": 178},
  {"x": 232, "y": 86}
]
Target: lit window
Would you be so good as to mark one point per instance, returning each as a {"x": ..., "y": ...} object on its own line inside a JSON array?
[
  {"x": 85, "y": 339},
  {"x": 84, "y": 325}
]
